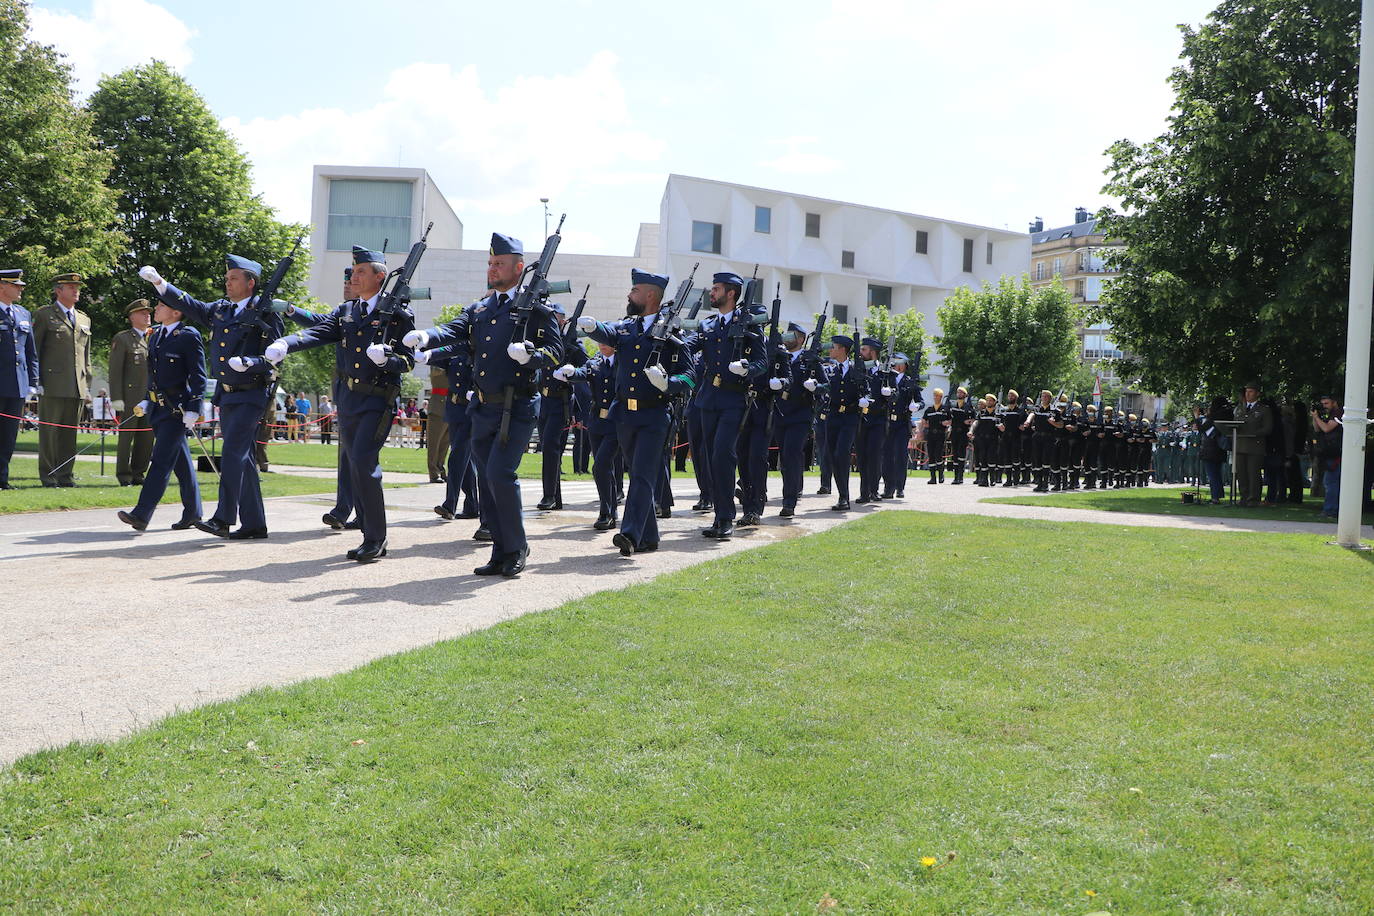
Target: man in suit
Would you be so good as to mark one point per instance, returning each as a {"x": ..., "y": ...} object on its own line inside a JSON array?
[
  {"x": 62, "y": 336},
  {"x": 18, "y": 365},
  {"x": 129, "y": 385},
  {"x": 1256, "y": 424}
]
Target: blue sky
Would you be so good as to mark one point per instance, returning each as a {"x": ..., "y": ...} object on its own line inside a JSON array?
[{"x": 985, "y": 111}]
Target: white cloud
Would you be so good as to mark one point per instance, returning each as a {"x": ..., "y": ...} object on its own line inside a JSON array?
[
  {"x": 117, "y": 34},
  {"x": 796, "y": 161},
  {"x": 492, "y": 151}
]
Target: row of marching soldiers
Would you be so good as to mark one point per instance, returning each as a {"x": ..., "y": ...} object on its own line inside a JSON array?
[{"x": 1050, "y": 442}]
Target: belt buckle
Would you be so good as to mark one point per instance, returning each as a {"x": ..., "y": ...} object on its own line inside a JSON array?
[
  {"x": 716, "y": 381},
  {"x": 604, "y": 413},
  {"x": 784, "y": 395},
  {"x": 632, "y": 403},
  {"x": 841, "y": 409},
  {"x": 822, "y": 416}
]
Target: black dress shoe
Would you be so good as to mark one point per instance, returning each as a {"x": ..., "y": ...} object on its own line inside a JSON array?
[
  {"x": 787, "y": 512},
  {"x": 647, "y": 548},
  {"x": 901, "y": 494},
  {"x": 444, "y": 512},
  {"x": 481, "y": 534},
  {"x": 249, "y": 534},
  {"x": 604, "y": 523},
  {"x": 6, "y": 486},
  {"x": 353, "y": 525},
  {"x": 627, "y": 546},
  {"x": 723, "y": 534},
  {"x": 132, "y": 521},
  {"x": 436, "y": 480},
  {"x": 712, "y": 532},
  {"x": 332, "y": 521},
  {"x": 490, "y": 568},
  {"x": 823, "y": 491},
  {"x": 184, "y": 523},
  {"x": 879, "y": 497},
  {"x": 664, "y": 513},
  {"x": 841, "y": 506},
  {"x": 214, "y": 526},
  {"x": 471, "y": 514},
  {"x": 750, "y": 520},
  {"x": 702, "y": 505},
  {"x": 544, "y": 505},
  {"x": 369, "y": 551},
  {"x": 515, "y": 563}
]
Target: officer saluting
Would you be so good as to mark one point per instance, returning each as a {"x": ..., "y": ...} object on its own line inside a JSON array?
[
  {"x": 238, "y": 334},
  {"x": 18, "y": 365},
  {"x": 502, "y": 362},
  {"x": 176, "y": 384},
  {"x": 370, "y": 361}
]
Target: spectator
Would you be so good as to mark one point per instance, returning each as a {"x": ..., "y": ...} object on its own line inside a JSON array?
[
  {"x": 326, "y": 420},
  {"x": 303, "y": 409},
  {"x": 1210, "y": 450},
  {"x": 1326, "y": 423},
  {"x": 293, "y": 421},
  {"x": 1251, "y": 444}
]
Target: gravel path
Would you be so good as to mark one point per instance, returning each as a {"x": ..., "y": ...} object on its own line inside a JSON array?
[{"x": 106, "y": 631}]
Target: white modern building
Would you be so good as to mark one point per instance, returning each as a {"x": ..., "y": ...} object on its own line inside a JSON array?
[{"x": 818, "y": 250}]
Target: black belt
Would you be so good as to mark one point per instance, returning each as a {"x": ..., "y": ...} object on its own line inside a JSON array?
[
  {"x": 160, "y": 398},
  {"x": 499, "y": 397},
  {"x": 367, "y": 389},
  {"x": 252, "y": 386}
]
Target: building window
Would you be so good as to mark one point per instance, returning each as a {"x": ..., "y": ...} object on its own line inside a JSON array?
[
  {"x": 989, "y": 252},
  {"x": 813, "y": 225},
  {"x": 1079, "y": 288},
  {"x": 1039, "y": 270},
  {"x": 847, "y": 260},
  {"x": 1058, "y": 266},
  {"x": 922, "y": 241},
  {"x": 795, "y": 282},
  {"x": 369, "y": 213},
  {"x": 763, "y": 219},
  {"x": 880, "y": 295},
  {"x": 841, "y": 313},
  {"x": 968, "y": 256},
  {"x": 706, "y": 237}
]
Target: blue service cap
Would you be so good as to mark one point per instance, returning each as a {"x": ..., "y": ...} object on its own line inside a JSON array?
[
  {"x": 638, "y": 276},
  {"x": 234, "y": 262},
  {"x": 363, "y": 255},
  {"x": 842, "y": 340},
  {"x": 13, "y": 275},
  {"x": 728, "y": 278},
  {"x": 872, "y": 342},
  {"x": 506, "y": 244},
  {"x": 796, "y": 328},
  {"x": 899, "y": 358},
  {"x": 558, "y": 309},
  {"x": 348, "y": 274}
]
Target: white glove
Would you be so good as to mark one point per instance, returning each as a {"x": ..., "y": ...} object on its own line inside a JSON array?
[
  {"x": 377, "y": 353},
  {"x": 864, "y": 402},
  {"x": 152, "y": 276},
  {"x": 38, "y": 390},
  {"x": 275, "y": 352},
  {"x": 415, "y": 339},
  {"x": 887, "y": 392},
  {"x": 809, "y": 384},
  {"x": 775, "y": 384},
  {"x": 141, "y": 409},
  {"x": 656, "y": 377},
  {"x": 520, "y": 352},
  {"x": 913, "y": 406},
  {"x": 118, "y": 405},
  {"x": 471, "y": 395},
  {"x": 422, "y": 357},
  {"x": 739, "y": 368},
  {"x": 586, "y": 323},
  {"x": 563, "y": 371},
  {"x": 190, "y": 418},
  {"x": 237, "y": 364}
]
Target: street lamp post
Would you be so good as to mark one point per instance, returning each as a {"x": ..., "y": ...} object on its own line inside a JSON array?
[{"x": 545, "y": 202}]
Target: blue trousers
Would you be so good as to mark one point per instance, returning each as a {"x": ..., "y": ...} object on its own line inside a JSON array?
[
  {"x": 792, "y": 457},
  {"x": 553, "y": 439},
  {"x": 462, "y": 475},
  {"x": 607, "y": 467},
  {"x": 1331, "y": 480},
  {"x": 701, "y": 459},
  {"x": 642, "y": 442},
  {"x": 240, "y": 495},
  {"x": 498, "y": 472},
  {"x": 871, "y": 455},
  {"x": 343, "y": 490},
  {"x": 9, "y": 432},
  {"x": 721, "y": 429},
  {"x": 895, "y": 458},
  {"x": 840, "y": 431},
  {"x": 171, "y": 452},
  {"x": 753, "y": 459},
  {"x": 823, "y": 451},
  {"x": 363, "y": 446}
]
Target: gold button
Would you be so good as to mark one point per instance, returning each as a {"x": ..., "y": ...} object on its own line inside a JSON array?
[
  {"x": 488, "y": 337},
  {"x": 483, "y": 372},
  {"x": 632, "y": 387},
  {"x": 636, "y": 346},
  {"x": 357, "y": 365},
  {"x": 493, "y": 321},
  {"x": 222, "y": 359},
  {"x": 221, "y": 343},
  {"x": 357, "y": 349}
]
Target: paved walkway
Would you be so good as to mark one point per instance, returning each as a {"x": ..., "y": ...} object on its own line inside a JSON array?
[{"x": 105, "y": 630}]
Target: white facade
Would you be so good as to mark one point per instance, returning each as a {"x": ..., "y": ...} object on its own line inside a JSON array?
[{"x": 850, "y": 255}]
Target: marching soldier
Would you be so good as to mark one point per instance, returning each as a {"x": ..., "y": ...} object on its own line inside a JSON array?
[
  {"x": 1092, "y": 447},
  {"x": 868, "y": 448},
  {"x": 935, "y": 424},
  {"x": 607, "y": 466},
  {"x": 794, "y": 404},
  {"x": 238, "y": 335},
  {"x": 985, "y": 443},
  {"x": 555, "y": 418},
  {"x": 62, "y": 337},
  {"x": 460, "y": 476},
  {"x": 961, "y": 415},
  {"x": 1041, "y": 423},
  {"x": 129, "y": 385},
  {"x": 1075, "y": 424},
  {"x": 437, "y": 448},
  {"x": 18, "y": 366},
  {"x": 846, "y": 386},
  {"x": 903, "y": 395},
  {"x": 175, "y": 387},
  {"x": 1012, "y": 417},
  {"x": 370, "y": 360}
]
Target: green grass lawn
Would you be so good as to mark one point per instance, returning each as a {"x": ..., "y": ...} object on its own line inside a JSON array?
[
  {"x": 1161, "y": 721},
  {"x": 1159, "y": 501}
]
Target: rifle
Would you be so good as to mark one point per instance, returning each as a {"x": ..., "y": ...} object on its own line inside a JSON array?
[
  {"x": 253, "y": 312},
  {"x": 667, "y": 319},
  {"x": 891, "y": 373},
  {"x": 390, "y": 301},
  {"x": 535, "y": 290},
  {"x": 774, "y": 345}
]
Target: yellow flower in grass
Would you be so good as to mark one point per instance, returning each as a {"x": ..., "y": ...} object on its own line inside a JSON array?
[{"x": 928, "y": 861}]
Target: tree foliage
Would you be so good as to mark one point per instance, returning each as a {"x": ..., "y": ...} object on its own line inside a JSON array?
[
  {"x": 1008, "y": 336},
  {"x": 57, "y": 214},
  {"x": 1236, "y": 220},
  {"x": 185, "y": 191}
]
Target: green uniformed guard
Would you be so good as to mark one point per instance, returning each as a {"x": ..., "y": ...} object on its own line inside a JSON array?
[
  {"x": 436, "y": 425},
  {"x": 62, "y": 336},
  {"x": 128, "y": 386}
]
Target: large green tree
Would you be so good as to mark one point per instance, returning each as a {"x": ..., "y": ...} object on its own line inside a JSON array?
[
  {"x": 1008, "y": 336},
  {"x": 56, "y": 213},
  {"x": 185, "y": 190},
  {"x": 1236, "y": 220}
]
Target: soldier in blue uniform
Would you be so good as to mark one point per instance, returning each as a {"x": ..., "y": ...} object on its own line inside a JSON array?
[
  {"x": 793, "y": 403},
  {"x": 461, "y": 473},
  {"x": 555, "y": 419},
  {"x": 508, "y": 351},
  {"x": 903, "y": 395},
  {"x": 647, "y": 373},
  {"x": 608, "y": 465},
  {"x": 869, "y": 450},
  {"x": 732, "y": 352},
  {"x": 757, "y": 436},
  {"x": 370, "y": 361},
  {"x": 18, "y": 365},
  {"x": 176, "y": 385},
  {"x": 846, "y": 383},
  {"x": 701, "y": 458},
  {"x": 238, "y": 335}
]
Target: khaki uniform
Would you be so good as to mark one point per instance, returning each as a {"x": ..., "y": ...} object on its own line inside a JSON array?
[
  {"x": 436, "y": 427},
  {"x": 1256, "y": 424},
  {"x": 129, "y": 382},
  {"x": 64, "y": 365}
]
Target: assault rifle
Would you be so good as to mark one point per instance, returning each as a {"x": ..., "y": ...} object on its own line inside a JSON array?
[
  {"x": 668, "y": 319},
  {"x": 534, "y": 289},
  {"x": 774, "y": 346}
]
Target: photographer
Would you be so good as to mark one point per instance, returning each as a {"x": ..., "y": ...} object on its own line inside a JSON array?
[
  {"x": 1327, "y": 427},
  {"x": 1210, "y": 450}
]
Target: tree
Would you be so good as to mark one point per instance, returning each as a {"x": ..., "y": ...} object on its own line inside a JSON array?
[
  {"x": 57, "y": 214},
  {"x": 911, "y": 334},
  {"x": 1236, "y": 220},
  {"x": 185, "y": 190},
  {"x": 1008, "y": 336}
]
